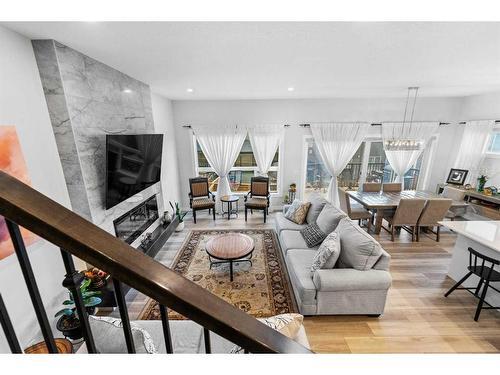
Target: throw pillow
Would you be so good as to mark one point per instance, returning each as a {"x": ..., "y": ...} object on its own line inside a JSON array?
[
  {"x": 286, "y": 324},
  {"x": 359, "y": 250},
  {"x": 317, "y": 204},
  {"x": 313, "y": 235},
  {"x": 327, "y": 254},
  {"x": 329, "y": 218},
  {"x": 297, "y": 211}
]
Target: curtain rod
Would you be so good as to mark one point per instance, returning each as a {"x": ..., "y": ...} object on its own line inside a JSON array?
[
  {"x": 372, "y": 124},
  {"x": 464, "y": 122},
  {"x": 189, "y": 126}
]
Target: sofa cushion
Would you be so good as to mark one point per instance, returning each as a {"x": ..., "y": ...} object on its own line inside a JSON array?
[
  {"x": 329, "y": 218},
  {"x": 359, "y": 250},
  {"x": 292, "y": 239},
  {"x": 327, "y": 254},
  {"x": 299, "y": 267},
  {"x": 297, "y": 211},
  {"x": 344, "y": 279},
  {"x": 282, "y": 223},
  {"x": 313, "y": 235},
  {"x": 317, "y": 204}
]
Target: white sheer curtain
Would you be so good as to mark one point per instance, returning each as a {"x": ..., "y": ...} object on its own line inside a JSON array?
[
  {"x": 265, "y": 140},
  {"x": 473, "y": 146},
  {"x": 221, "y": 146},
  {"x": 337, "y": 143},
  {"x": 402, "y": 160}
]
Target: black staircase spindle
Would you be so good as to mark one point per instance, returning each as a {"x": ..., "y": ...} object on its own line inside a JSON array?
[
  {"x": 206, "y": 335},
  {"x": 72, "y": 282},
  {"x": 122, "y": 305},
  {"x": 166, "y": 329},
  {"x": 29, "y": 278},
  {"x": 8, "y": 329}
]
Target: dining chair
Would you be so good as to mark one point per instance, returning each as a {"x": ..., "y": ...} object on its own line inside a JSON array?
[
  {"x": 434, "y": 211},
  {"x": 355, "y": 211},
  {"x": 456, "y": 195},
  {"x": 392, "y": 187},
  {"x": 486, "y": 273},
  {"x": 200, "y": 197},
  {"x": 258, "y": 197},
  {"x": 406, "y": 214},
  {"x": 372, "y": 187}
]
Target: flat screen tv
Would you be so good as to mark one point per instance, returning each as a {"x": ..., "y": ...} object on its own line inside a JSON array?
[{"x": 133, "y": 163}]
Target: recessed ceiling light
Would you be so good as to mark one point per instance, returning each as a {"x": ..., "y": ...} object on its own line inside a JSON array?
[
  {"x": 190, "y": 90},
  {"x": 291, "y": 88},
  {"x": 127, "y": 91}
]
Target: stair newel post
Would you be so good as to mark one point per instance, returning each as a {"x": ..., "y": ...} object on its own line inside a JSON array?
[{"x": 73, "y": 282}]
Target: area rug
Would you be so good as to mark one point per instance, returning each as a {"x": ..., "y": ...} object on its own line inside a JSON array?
[{"x": 262, "y": 289}]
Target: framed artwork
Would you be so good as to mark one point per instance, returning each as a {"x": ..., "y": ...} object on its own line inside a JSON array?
[
  {"x": 12, "y": 162},
  {"x": 457, "y": 176}
]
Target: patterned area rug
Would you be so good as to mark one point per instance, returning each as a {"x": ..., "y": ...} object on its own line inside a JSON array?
[{"x": 261, "y": 289}]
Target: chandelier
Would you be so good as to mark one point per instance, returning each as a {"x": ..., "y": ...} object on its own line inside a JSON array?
[{"x": 402, "y": 141}]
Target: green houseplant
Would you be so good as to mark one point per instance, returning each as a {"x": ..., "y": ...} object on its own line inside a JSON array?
[
  {"x": 179, "y": 214},
  {"x": 69, "y": 322}
]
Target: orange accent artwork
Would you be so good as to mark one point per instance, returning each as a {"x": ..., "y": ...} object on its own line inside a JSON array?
[{"x": 12, "y": 162}]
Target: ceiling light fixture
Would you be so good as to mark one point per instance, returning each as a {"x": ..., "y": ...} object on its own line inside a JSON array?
[
  {"x": 291, "y": 88},
  {"x": 403, "y": 142},
  {"x": 127, "y": 91},
  {"x": 190, "y": 89}
]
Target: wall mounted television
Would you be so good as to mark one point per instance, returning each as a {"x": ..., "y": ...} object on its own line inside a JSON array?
[{"x": 133, "y": 163}]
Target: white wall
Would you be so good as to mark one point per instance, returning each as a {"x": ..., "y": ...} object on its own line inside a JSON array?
[
  {"x": 299, "y": 111},
  {"x": 22, "y": 104},
  {"x": 164, "y": 123}
]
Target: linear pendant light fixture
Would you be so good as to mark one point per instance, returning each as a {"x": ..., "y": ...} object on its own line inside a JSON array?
[{"x": 402, "y": 142}]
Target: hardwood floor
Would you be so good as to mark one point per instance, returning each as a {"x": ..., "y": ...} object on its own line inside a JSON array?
[{"x": 417, "y": 319}]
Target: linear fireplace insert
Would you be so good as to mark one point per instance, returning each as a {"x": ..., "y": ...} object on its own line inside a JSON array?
[{"x": 132, "y": 224}]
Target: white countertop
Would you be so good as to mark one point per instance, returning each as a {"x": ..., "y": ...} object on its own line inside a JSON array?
[{"x": 487, "y": 233}]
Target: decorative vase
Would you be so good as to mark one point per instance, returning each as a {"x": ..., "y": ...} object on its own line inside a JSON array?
[
  {"x": 180, "y": 227},
  {"x": 480, "y": 184}
]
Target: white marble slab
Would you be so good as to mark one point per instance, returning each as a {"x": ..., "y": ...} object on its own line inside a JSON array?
[{"x": 487, "y": 233}]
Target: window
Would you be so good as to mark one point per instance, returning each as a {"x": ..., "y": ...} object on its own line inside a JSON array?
[
  {"x": 375, "y": 168},
  {"x": 244, "y": 168},
  {"x": 494, "y": 146}
]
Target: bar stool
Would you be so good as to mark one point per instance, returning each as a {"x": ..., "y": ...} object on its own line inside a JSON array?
[{"x": 486, "y": 275}]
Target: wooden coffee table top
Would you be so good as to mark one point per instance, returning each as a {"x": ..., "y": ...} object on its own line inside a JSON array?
[
  {"x": 63, "y": 346},
  {"x": 230, "y": 246}
]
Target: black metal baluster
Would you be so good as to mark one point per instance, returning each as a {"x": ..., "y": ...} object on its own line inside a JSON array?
[
  {"x": 206, "y": 335},
  {"x": 122, "y": 305},
  {"x": 29, "y": 278},
  {"x": 166, "y": 329},
  {"x": 8, "y": 329},
  {"x": 72, "y": 282}
]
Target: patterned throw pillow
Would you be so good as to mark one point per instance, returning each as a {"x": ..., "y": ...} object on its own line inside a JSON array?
[
  {"x": 328, "y": 253},
  {"x": 297, "y": 212},
  {"x": 286, "y": 324},
  {"x": 313, "y": 235}
]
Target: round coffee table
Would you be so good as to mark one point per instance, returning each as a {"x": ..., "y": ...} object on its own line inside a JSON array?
[
  {"x": 230, "y": 199},
  {"x": 230, "y": 248}
]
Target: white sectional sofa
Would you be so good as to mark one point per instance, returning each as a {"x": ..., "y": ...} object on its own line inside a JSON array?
[{"x": 360, "y": 280}]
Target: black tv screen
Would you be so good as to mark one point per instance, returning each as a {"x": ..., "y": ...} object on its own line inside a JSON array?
[{"x": 133, "y": 163}]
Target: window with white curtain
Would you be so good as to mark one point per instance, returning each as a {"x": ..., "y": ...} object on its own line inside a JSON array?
[{"x": 243, "y": 169}]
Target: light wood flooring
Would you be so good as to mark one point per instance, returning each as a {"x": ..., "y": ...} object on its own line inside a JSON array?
[{"x": 417, "y": 318}]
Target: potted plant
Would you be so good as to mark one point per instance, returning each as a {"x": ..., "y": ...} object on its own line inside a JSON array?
[
  {"x": 481, "y": 181},
  {"x": 180, "y": 215},
  {"x": 69, "y": 322}
]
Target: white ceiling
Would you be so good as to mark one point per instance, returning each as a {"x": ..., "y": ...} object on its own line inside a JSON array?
[{"x": 261, "y": 60}]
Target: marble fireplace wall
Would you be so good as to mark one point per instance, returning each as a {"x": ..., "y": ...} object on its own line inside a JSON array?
[{"x": 87, "y": 100}]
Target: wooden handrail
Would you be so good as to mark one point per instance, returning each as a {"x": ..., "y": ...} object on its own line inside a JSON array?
[{"x": 48, "y": 219}]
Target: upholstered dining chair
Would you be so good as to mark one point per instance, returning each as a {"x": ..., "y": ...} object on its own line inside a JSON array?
[
  {"x": 355, "y": 211},
  {"x": 434, "y": 211},
  {"x": 392, "y": 187},
  {"x": 456, "y": 195},
  {"x": 372, "y": 187},
  {"x": 258, "y": 197},
  {"x": 200, "y": 197},
  {"x": 406, "y": 214}
]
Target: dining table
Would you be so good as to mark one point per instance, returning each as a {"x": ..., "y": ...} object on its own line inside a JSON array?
[{"x": 381, "y": 202}]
